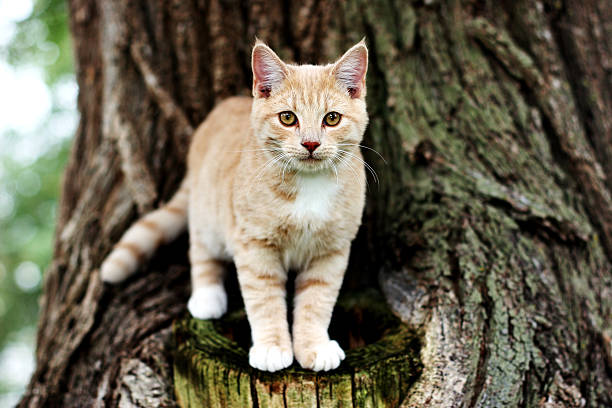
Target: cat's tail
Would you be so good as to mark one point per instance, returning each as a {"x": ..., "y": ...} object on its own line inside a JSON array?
[{"x": 141, "y": 240}]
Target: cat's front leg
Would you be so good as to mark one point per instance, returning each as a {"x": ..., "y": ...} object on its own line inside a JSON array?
[
  {"x": 316, "y": 291},
  {"x": 262, "y": 283}
]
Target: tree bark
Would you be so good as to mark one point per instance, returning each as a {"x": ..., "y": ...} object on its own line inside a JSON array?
[{"x": 490, "y": 231}]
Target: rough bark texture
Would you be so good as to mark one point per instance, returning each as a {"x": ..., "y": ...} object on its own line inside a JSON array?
[{"x": 490, "y": 232}]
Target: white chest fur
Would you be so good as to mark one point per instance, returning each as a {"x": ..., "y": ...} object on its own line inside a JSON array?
[
  {"x": 315, "y": 196},
  {"x": 311, "y": 209}
]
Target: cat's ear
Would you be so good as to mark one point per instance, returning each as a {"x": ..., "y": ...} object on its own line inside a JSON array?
[
  {"x": 350, "y": 70},
  {"x": 268, "y": 70}
]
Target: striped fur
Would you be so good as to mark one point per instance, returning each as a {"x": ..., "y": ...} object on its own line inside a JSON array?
[
  {"x": 257, "y": 196},
  {"x": 141, "y": 240}
]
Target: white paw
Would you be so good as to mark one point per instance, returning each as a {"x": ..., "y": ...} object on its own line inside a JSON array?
[
  {"x": 270, "y": 358},
  {"x": 209, "y": 302},
  {"x": 328, "y": 356}
]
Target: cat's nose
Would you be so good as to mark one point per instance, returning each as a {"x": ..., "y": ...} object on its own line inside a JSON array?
[{"x": 311, "y": 146}]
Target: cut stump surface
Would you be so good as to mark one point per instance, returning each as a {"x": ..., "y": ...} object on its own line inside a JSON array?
[{"x": 211, "y": 363}]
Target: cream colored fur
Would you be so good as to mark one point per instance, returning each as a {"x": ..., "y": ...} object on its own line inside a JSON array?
[{"x": 255, "y": 195}]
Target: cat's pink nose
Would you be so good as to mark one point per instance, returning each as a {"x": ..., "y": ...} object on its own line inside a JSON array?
[{"x": 311, "y": 146}]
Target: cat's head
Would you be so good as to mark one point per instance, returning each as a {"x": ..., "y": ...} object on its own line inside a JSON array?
[{"x": 310, "y": 117}]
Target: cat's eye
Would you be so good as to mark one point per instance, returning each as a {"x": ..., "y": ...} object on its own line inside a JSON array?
[
  {"x": 287, "y": 118},
  {"x": 332, "y": 119}
]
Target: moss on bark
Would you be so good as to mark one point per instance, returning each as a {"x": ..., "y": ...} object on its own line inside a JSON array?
[{"x": 212, "y": 370}]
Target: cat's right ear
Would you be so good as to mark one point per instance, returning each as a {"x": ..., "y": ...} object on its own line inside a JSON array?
[{"x": 268, "y": 70}]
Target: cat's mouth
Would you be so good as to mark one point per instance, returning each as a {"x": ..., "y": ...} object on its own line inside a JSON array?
[
  {"x": 312, "y": 163},
  {"x": 315, "y": 157}
]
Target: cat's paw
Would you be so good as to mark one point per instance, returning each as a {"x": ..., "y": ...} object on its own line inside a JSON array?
[
  {"x": 270, "y": 358},
  {"x": 322, "y": 357},
  {"x": 208, "y": 302}
]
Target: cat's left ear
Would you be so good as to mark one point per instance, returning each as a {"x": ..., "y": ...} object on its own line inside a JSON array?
[
  {"x": 268, "y": 70},
  {"x": 350, "y": 70}
]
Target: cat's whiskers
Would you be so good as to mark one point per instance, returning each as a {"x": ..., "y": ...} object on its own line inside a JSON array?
[
  {"x": 252, "y": 150},
  {"x": 365, "y": 147},
  {"x": 263, "y": 168},
  {"x": 284, "y": 168},
  {"x": 270, "y": 163},
  {"x": 355, "y": 172},
  {"x": 367, "y": 166},
  {"x": 345, "y": 161},
  {"x": 335, "y": 171}
]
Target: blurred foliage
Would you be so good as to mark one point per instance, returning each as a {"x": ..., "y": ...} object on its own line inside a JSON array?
[
  {"x": 27, "y": 234},
  {"x": 29, "y": 189},
  {"x": 48, "y": 20}
]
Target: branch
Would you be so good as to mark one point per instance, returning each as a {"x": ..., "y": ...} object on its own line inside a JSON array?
[
  {"x": 171, "y": 110},
  {"x": 139, "y": 179}
]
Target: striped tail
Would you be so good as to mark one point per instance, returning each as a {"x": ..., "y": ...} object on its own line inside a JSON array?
[{"x": 141, "y": 240}]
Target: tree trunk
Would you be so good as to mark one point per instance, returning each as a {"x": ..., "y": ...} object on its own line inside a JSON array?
[{"x": 490, "y": 231}]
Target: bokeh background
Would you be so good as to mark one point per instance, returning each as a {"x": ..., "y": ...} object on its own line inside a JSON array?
[{"x": 38, "y": 117}]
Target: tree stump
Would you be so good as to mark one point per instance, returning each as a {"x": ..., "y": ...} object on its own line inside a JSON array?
[{"x": 211, "y": 363}]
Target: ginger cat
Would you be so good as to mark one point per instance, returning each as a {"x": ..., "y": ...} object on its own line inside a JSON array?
[{"x": 274, "y": 182}]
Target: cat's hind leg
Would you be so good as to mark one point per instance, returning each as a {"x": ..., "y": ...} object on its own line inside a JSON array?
[{"x": 208, "y": 298}]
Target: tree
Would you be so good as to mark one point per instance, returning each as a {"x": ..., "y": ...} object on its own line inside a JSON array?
[{"x": 490, "y": 231}]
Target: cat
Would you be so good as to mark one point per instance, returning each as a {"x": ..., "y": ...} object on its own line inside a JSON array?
[{"x": 274, "y": 182}]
